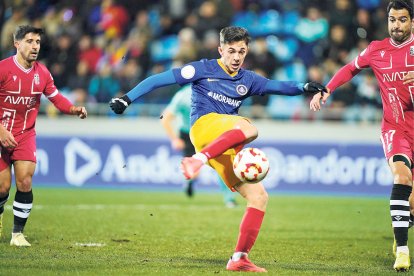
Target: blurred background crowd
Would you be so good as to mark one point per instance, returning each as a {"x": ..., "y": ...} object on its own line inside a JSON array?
[{"x": 98, "y": 49}]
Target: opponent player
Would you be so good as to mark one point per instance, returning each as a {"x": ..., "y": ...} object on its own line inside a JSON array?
[
  {"x": 391, "y": 60},
  {"x": 178, "y": 110},
  {"x": 218, "y": 133},
  {"x": 23, "y": 80}
]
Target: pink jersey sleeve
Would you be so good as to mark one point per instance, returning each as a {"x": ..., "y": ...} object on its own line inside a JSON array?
[
  {"x": 53, "y": 95},
  {"x": 347, "y": 72}
]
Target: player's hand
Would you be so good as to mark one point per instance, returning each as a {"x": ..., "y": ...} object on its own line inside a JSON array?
[
  {"x": 178, "y": 144},
  {"x": 118, "y": 105},
  {"x": 7, "y": 139},
  {"x": 314, "y": 87},
  {"x": 409, "y": 78},
  {"x": 317, "y": 99},
  {"x": 80, "y": 111}
]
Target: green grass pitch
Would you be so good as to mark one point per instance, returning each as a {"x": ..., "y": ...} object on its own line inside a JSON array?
[{"x": 119, "y": 232}]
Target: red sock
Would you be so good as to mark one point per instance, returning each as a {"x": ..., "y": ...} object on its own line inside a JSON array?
[
  {"x": 249, "y": 229},
  {"x": 224, "y": 142}
]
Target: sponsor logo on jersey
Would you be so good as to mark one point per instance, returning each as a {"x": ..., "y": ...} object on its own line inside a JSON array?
[
  {"x": 29, "y": 101},
  {"x": 241, "y": 89},
  {"x": 36, "y": 79},
  {"x": 382, "y": 53},
  {"x": 394, "y": 76},
  {"x": 187, "y": 72},
  {"x": 224, "y": 99},
  {"x": 411, "y": 50},
  {"x": 14, "y": 78}
]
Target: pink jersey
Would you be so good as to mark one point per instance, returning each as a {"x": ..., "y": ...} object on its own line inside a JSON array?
[
  {"x": 390, "y": 63},
  {"x": 20, "y": 93}
]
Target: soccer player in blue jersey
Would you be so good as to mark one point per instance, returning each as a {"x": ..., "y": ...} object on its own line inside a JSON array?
[
  {"x": 178, "y": 111},
  {"x": 219, "y": 87}
]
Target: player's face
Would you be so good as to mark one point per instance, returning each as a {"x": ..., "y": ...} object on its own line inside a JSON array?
[
  {"x": 233, "y": 55},
  {"x": 399, "y": 25},
  {"x": 28, "y": 48}
]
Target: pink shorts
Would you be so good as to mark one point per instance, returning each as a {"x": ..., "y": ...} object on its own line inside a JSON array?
[
  {"x": 395, "y": 141},
  {"x": 25, "y": 150}
]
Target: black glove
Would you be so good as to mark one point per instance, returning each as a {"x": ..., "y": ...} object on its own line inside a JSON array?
[
  {"x": 118, "y": 105},
  {"x": 314, "y": 88}
]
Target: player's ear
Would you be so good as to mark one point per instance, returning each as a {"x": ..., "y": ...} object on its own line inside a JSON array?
[{"x": 220, "y": 50}]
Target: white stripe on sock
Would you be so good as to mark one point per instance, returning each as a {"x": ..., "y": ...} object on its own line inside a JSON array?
[
  {"x": 23, "y": 205},
  {"x": 400, "y": 224},
  {"x": 400, "y": 202},
  {"x": 25, "y": 215}
]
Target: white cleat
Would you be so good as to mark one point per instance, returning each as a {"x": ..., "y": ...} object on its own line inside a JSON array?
[{"x": 19, "y": 240}]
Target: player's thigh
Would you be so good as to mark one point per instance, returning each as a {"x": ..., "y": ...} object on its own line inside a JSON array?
[
  {"x": 209, "y": 127},
  {"x": 24, "y": 171},
  {"x": 223, "y": 165}
]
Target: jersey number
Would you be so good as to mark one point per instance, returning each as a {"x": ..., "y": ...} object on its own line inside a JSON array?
[{"x": 387, "y": 139}]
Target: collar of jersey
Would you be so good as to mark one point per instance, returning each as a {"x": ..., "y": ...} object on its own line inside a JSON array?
[
  {"x": 225, "y": 70},
  {"x": 403, "y": 44}
]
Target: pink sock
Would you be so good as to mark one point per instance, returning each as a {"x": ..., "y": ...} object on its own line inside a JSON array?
[
  {"x": 249, "y": 229},
  {"x": 227, "y": 140}
]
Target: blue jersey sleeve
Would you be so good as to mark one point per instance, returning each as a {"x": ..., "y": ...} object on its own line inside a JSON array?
[
  {"x": 190, "y": 72},
  {"x": 287, "y": 88},
  {"x": 151, "y": 83}
]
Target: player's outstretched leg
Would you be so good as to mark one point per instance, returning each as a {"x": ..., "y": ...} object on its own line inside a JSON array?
[{"x": 243, "y": 264}]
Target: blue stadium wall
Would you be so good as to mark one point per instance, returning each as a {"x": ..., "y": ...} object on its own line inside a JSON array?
[{"x": 93, "y": 155}]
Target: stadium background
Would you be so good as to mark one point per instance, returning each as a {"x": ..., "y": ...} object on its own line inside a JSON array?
[{"x": 98, "y": 49}]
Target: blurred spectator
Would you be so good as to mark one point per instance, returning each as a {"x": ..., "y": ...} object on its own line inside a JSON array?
[
  {"x": 89, "y": 52},
  {"x": 17, "y": 18},
  {"x": 82, "y": 77},
  {"x": 209, "y": 44},
  {"x": 113, "y": 19},
  {"x": 62, "y": 60},
  {"x": 187, "y": 47},
  {"x": 208, "y": 19},
  {"x": 104, "y": 86},
  {"x": 309, "y": 31},
  {"x": 130, "y": 75}
]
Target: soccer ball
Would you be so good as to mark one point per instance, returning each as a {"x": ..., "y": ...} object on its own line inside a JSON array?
[{"x": 251, "y": 165}]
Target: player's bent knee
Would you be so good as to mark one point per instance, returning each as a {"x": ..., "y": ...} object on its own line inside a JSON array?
[
  {"x": 401, "y": 178},
  {"x": 24, "y": 184}
]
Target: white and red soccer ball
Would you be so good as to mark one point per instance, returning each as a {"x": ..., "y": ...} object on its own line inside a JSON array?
[{"x": 251, "y": 165}]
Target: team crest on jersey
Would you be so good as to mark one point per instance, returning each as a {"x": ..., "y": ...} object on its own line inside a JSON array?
[
  {"x": 36, "y": 79},
  {"x": 241, "y": 89},
  {"x": 411, "y": 50}
]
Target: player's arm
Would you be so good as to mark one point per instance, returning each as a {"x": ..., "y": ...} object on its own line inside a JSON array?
[
  {"x": 118, "y": 105},
  {"x": 345, "y": 74},
  {"x": 65, "y": 106},
  {"x": 167, "y": 122},
  {"x": 292, "y": 88}
]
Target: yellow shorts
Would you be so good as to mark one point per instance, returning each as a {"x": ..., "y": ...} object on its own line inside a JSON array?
[{"x": 208, "y": 128}]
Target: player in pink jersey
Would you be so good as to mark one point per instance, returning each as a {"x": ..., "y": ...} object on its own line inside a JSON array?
[
  {"x": 392, "y": 61},
  {"x": 23, "y": 80}
]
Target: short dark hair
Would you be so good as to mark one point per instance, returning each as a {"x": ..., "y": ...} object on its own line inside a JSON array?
[
  {"x": 23, "y": 30},
  {"x": 401, "y": 4},
  {"x": 233, "y": 34}
]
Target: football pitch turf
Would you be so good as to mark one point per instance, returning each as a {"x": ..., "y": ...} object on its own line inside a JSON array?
[{"x": 120, "y": 232}]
